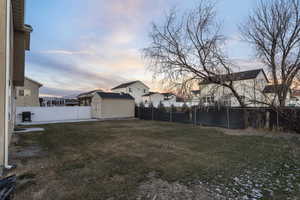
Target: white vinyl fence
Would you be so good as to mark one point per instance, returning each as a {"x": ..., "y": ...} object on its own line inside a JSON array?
[{"x": 48, "y": 114}]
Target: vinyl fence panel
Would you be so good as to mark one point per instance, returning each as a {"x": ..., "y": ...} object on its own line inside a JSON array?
[{"x": 45, "y": 114}]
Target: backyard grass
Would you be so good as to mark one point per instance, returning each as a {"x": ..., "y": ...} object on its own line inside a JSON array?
[{"x": 119, "y": 160}]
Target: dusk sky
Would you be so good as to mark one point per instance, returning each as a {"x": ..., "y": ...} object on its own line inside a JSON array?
[{"x": 81, "y": 45}]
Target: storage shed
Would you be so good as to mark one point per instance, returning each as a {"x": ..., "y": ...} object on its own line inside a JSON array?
[{"x": 107, "y": 105}]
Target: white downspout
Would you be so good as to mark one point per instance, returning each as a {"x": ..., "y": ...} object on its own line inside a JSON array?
[{"x": 7, "y": 84}]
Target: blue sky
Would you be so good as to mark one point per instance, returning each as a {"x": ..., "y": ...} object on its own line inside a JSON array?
[{"x": 80, "y": 45}]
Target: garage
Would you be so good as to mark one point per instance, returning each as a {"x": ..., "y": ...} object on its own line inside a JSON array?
[{"x": 107, "y": 105}]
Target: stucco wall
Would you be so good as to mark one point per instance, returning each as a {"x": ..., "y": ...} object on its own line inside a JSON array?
[
  {"x": 112, "y": 108},
  {"x": 31, "y": 100}
]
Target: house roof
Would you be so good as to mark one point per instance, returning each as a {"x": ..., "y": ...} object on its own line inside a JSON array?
[
  {"x": 296, "y": 93},
  {"x": 272, "y": 88},
  {"x": 124, "y": 85},
  {"x": 236, "y": 76},
  {"x": 39, "y": 84},
  {"x": 90, "y": 93},
  {"x": 149, "y": 94},
  {"x": 111, "y": 95},
  {"x": 196, "y": 91},
  {"x": 179, "y": 99},
  {"x": 167, "y": 94}
]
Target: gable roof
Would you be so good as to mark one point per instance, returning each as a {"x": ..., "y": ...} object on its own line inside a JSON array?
[
  {"x": 196, "y": 91},
  {"x": 236, "y": 76},
  {"x": 167, "y": 94},
  {"x": 273, "y": 88},
  {"x": 296, "y": 93},
  {"x": 90, "y": 93},
  {"x": 149, "y": 94},
  {"x": 124, "y": 85},
  {"x": 111, "y": 95},
  {"x": 29, "y": 79}
]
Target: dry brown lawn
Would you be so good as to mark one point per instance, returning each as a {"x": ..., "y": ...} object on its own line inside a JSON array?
[{"x": 119, "y": 160}]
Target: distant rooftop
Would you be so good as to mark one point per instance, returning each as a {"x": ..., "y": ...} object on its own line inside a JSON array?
[
  {"x": 273, "y": 88},
  {"x": 235, "y": 76},
  {"x": 90, "y": 93},
  {"x": 111, "y": 95}
]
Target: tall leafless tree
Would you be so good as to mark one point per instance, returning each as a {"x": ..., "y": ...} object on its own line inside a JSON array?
[
  {"x": 273, "y": 28},
  {"x": 187, "y": 49}
]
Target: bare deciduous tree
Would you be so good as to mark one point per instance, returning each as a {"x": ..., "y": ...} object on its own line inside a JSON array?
[
  {"x": 274, "y": 30},
  {"x": 188, "y": 49}
]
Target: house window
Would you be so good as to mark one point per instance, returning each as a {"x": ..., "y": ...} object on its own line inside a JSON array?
[
  {"x": 130, "y": 90},
  {"x": 243, "y": 98},
  {"x": 208, "y": 99},
  {"x": 144, "y": 90},
  {"x": 21, "y": 93},
  {"x": 27, "y": 92}
]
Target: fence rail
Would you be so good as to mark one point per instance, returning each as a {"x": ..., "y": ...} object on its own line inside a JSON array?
[{"x": 227, "y": 117}]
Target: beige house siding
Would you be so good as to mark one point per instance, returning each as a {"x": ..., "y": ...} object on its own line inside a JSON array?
[
  {"x": 112, "y": 108},
  {"x": 2, "y": 77},
  {"x": 9, "y": 124},
  {"x": 31, "y": 94},
  {"x": 14, "y": 64}
]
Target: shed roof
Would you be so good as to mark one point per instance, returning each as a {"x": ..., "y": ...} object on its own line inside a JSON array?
[
  {"x": 168, "y": 94},
  {"x": 236, "y": 76},
  {"x": 111, "y": 95},
  {"x": 29, "y": 79},
  {"x": 150, "y": 93}
]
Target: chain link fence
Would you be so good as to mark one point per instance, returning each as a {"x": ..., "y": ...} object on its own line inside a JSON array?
[{"x": 227, "y": 117}]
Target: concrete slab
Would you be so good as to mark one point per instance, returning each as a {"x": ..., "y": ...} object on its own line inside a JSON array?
[{"x": 26, "y": 130}]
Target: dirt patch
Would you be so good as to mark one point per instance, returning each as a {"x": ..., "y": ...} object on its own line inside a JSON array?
[
  {"x": 259, "y": 132},
  {"x": 158, "y": 189}
]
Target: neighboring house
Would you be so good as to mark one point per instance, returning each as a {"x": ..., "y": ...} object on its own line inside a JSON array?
[
  {"x": 271, "y": 96},
  {"x": 15, "y": 39},
  {"x": 51, "y": 101},
  {"x": 153, "y": 98},
  {"x": 195, "y": 96},
  {"x": 248, "y": 84},
  {"x": 28, "y": 95},
  {"x": 108, "y": 105},
  {"x": 135, "y": 88},
  {"x": 167, "y": 99},
  {"x": 59, "y": 101},
  {"x": 71, "y": 100},
  {"x": 295, "y": 98},
  {"x": 85, "y": 99}
]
